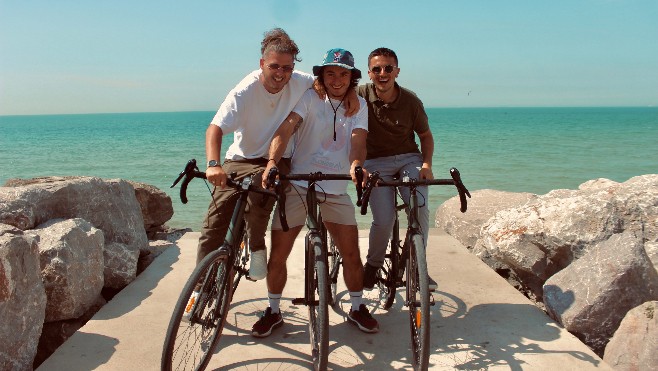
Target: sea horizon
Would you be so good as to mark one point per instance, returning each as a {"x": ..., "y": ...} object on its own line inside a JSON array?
[
  {"x": 516, "y": 149},
  {"x": 426, "y": 107}
]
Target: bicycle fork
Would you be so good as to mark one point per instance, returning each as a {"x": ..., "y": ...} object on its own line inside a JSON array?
[{"x": 313, "y": 241}]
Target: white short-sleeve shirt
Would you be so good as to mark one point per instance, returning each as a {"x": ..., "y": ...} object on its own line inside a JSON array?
[
  {"x": 315, "y": 148},
  {"x": 253, "y": 114}
]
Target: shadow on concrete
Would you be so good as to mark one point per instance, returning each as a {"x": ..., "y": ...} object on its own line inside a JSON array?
[
  {"x": 142, "y": 287},
  {"x": 503, "y": 326},
  {"x": 104, "y": 349}
]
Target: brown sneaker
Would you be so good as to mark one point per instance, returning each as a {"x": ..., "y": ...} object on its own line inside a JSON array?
[
  {"x": 363, "y": 319},
  {"x": 267, "y": 322}
]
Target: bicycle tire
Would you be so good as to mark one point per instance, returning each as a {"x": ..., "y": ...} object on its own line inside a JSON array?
[
  {"x": 418, "y": 298},
  {"x": 241, "y": 260},
  {"x": 318, "y": 324},
  {"x": 334, "y": 269},
  {"x": 190, "y": 345},
  {"x": 387, "y": 275}
]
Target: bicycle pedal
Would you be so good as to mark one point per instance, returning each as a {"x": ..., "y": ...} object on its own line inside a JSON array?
[{"x": 299, "y": 301}]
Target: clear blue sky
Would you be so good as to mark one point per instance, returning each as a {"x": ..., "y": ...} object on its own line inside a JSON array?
[{"x": 69, "y": 56}]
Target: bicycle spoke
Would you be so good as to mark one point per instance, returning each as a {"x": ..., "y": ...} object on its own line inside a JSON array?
[{"x": 189, "y": 345}]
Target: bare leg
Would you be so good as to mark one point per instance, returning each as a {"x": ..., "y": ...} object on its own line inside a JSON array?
[
  {"x": 347, "y": 241},
  {"x": 277, "y": 271}
]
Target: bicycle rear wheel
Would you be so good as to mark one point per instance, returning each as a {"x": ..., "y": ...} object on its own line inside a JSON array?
[
  {"x": 189, "y": 345},
  {"x": 418, "y": 299},
  {"x": 318, "y": 323}
]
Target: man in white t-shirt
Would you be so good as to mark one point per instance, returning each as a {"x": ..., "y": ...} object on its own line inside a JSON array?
[
  {"x": 253, "y": 111},
  {"x": 324, "y": 140}
]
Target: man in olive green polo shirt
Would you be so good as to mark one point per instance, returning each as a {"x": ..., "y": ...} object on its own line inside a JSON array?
[{"x": 395, "y": 114}]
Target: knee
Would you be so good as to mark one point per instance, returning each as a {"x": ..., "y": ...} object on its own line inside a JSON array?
[{"x": 352, "y": 258}]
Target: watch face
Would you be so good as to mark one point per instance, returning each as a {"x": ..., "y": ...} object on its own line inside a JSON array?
[{"x": 212, "y": 163}]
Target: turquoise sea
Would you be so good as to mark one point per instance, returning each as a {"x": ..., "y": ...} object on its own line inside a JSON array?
[{"x": 513, "y": 149}]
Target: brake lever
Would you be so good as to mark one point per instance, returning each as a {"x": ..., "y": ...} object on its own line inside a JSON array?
[{"x": 189, "y": 167}]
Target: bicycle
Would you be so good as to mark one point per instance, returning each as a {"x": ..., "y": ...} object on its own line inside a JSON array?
[
  {"x": 317, "y": 292},
  {"x": 190, "y": 344},
  {"x": 410, "y": 257}
]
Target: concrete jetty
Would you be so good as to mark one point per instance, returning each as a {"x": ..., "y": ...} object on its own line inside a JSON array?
[{"x": 478, "y": 322}]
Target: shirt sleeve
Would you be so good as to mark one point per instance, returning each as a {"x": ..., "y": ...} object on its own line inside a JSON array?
[
  {"x": 302, "y": 107},
  {"x": 361, "y": 118}
]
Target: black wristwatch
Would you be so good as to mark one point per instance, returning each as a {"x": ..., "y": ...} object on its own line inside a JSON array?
[{"x": 213, "y": 163}]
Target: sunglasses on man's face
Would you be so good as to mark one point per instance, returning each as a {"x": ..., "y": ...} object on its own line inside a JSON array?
[
  {"x": 278, "y": 67},
  {"x": 378, "y": 69}
]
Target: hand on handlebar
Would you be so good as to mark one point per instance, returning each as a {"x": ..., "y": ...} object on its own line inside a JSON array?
[
  {"x": 425, "y": 173},
  {"x": 216, "y": 176},
  {"x": 364, "y": 177},
  {"x": 267, "y": 180}
]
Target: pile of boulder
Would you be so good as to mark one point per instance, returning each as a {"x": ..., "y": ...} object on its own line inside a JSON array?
[
  {"x": 588, "y": 257},
  {"x": 67, "y": 245}
]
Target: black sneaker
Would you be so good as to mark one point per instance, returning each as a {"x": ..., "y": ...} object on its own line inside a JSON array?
[
  {"x": 369, "y": 276},
  {"x": 363, "y": 319},
  {"x": 267, "y": 322},
  {"x": 432, "y": 284}
]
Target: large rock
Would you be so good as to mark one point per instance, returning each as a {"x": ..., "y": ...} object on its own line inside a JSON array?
[
  {"x": 109, "y": 205},
  {"x": 482, "y": 205},
  {"x": 22, "y": 299},
  {"x": 634, "y": 345},
  {"x": 155, "y": 204},
  {"x": 72, "y": 265},
  {"x": 542, "y": 237},
  {"x": 592, "y": 295}
]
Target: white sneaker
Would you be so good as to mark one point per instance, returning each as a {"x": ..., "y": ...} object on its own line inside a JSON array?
[
  {"x": 190, "y": 304},
  {"x": 258, "y": 266}
]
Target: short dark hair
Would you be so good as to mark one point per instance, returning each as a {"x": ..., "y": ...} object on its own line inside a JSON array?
[
  {"x": 382, "y": 52},
  {"x": 277, "y": 40}
]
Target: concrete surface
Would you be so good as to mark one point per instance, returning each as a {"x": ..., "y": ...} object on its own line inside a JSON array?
[{"x": 478, "y": 322}]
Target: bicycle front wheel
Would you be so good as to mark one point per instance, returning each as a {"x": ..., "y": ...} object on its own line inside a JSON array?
[
  {"x": 387, "y": 275},
  {"x": 418, "y": 300},
  {"x": 189, "y": 344},
  {"x": 318, "y": 323},
  {"x": 334, "y": 269}
]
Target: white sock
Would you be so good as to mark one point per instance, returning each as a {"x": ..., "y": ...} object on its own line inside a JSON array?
[
  {"x": 274, "y": 301},
  {"x": 356, "y": 299}
]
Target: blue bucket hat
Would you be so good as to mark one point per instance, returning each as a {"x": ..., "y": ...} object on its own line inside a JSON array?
[{"x": 341, "y": 58}]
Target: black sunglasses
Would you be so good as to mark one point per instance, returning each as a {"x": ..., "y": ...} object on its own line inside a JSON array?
[
  {"x": 275, "y": 66},
  {"x": 378, "y": 69}
]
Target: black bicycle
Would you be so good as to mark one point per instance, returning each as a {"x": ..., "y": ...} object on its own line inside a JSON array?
[
  {"x": 410, "y": 257},
  {"x": 320, "y": 275},
  {"x": 190, "y": 341}
]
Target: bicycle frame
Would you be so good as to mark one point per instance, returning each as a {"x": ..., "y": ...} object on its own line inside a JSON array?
[
  {"x": 313, "y": 223},
  {"x": 413, "y": 260},
  {"x": 315, "y": 263}
]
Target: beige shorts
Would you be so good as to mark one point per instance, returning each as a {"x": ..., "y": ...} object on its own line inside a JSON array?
[{"x": 337, "y": 209}]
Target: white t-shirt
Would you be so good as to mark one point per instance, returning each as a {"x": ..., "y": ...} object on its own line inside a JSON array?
[
  {"x": 315, "y": 148},
  {"x": 253, "y": 114}
]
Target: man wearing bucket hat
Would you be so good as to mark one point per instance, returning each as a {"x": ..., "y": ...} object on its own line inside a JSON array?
[
  {"x": 328, "y": 141},
  {"x": 395, "y": 114}
]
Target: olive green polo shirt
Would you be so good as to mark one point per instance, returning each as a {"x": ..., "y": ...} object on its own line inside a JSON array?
[{"x": 391, "y": 127}]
